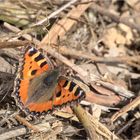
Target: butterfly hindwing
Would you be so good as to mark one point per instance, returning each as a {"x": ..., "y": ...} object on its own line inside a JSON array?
[{"x": 66, "y": 91}]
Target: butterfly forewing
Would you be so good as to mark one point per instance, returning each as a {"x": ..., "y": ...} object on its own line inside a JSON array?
[{"x": 32, "y": 65}]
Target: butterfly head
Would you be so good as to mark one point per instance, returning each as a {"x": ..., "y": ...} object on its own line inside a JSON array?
[{"x": 52, "y": 77}]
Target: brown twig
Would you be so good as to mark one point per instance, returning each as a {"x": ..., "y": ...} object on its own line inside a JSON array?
[
  {"x": 94, "y": 128},
  {"x": 41, "y": 22},
  {"x": 126, "y": 108},
  {"x": 118, "y": 89},
  {"x": 101, "y": 99},
  {"x": 55, "y": 130},
  {"x": 13, "y": 44},
  {"x": 12, "y": 133},
  {"x": 130, "y": 60},
  {"x": 26, "y": 123},
  {"x": 17, "y": 30}
]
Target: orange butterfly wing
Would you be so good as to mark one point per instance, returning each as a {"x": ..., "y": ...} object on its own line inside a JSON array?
[
  {"x": 66, "y": 92},
  {"x": 33, "y": 63}
]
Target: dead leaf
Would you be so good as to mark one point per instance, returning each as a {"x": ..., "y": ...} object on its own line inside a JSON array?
[
  {"x": 113, "y": 36},
  {"x": 131, "y": 2},
  {"x": 128, "y": 33}
]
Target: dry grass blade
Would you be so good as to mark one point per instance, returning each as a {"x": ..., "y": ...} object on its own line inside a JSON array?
[
  {"x": 129, "y": 60},
  {"x": 26, "y": 123},
  {"x": 19, "y": 131},
  {"x": 13, "y": 44},
  {"x": 55, "y": 13},
  {"x": 17, "y": 30},
  {"x": 60, "y": 28},
  {"x": 93, "y": 127},
  {"x": 126, "y": 108}
]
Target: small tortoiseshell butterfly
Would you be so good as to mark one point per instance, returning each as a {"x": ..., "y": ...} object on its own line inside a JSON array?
[{"x": 40, "y": 89}]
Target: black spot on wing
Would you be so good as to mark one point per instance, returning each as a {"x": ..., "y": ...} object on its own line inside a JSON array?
[
  {"x": 43, "y": 64},
  {"x": 39, "y": 57},
  {"x": 72, "y": 85},
  {"x": 30, "y": 67},
  {"x": 33, "y": 72},
  {"x": 66, "y": 83},
  {"x": 51, "y": 98},
  {"x": 58, "y": 94},
  {"x": 32, "y": 51},
  {"x": 77, "y": 91},
  {"x": 68, "y": 95}
]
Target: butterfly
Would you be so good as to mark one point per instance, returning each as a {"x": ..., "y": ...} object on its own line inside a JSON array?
[{"x": 39, "y": 89}]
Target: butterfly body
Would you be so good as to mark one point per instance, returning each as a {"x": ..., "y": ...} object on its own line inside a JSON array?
[{"x": 40, "y": 89}]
